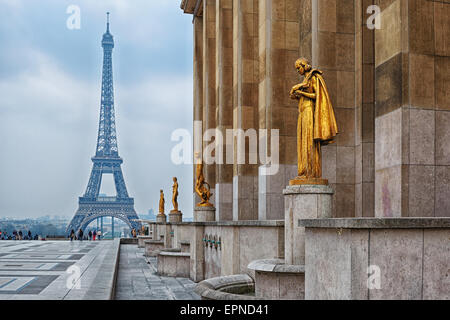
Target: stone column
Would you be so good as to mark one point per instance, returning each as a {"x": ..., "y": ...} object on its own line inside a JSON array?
[
  {"x": 209, "y": 84},
  {"x": 279, "y": 35},
  {"x": 198, "y": 88},
  {"x": 224, "y": 114},
  {"x": 365, "y": 111},
  {"x": 327, "y": 35},
  {"x": 303, "y": 202},
  {"x": 245, "y": 106},
  {"x": 412, "y": 113}
]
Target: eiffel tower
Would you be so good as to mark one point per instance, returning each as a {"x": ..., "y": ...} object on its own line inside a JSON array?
[{"x": 92, "y": 206}]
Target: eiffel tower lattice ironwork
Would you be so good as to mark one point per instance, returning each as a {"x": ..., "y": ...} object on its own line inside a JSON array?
[{"x": 106, "y": 160}]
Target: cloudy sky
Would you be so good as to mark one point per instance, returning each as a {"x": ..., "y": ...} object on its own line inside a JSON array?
[{"x": 50, "y": 80}]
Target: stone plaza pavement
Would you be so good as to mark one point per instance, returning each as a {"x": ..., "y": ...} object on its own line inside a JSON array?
[
  {"x": 64, "y": 270},
  {"x": 138, "y": 280},
  {"x": 45, "y": 269}
]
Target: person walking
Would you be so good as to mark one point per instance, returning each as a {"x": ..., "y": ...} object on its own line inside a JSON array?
[
  {"x": 94, "y": 234},
  {"x": 72, "y": 235},
  {"x": 90, "y": 235},
  {"x": 80, "y": 235},
  {"x": 29, "y": 235},
  {"x": 99, "y": 235}
]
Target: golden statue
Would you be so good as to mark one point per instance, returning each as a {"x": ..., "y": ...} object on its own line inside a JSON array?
[
  {"x": 175, "y": 195},
  {"x": 316, "y": 123},
  {"x": 202, "y": 188},
  {"x": 161, "y": 202}
]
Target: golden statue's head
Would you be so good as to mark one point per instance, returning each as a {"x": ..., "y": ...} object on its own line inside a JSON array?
[
  {"x": 174, "y": 179},
  {"x": 302, "y": 65},
  {"x": 161, "y": 191}
]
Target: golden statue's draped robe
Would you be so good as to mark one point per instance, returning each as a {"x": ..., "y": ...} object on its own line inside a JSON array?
[
  {"x": 316, "y": 124},
  {"x": 161, "y": 203},
  {"x": 175, "y": 196}
]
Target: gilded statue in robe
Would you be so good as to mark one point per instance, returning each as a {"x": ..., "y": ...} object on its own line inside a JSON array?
[
  {"x": 175, "y": 195},
  {"x": 202, "y": 188},
  {"x": 161, "y": 202},
  {"x": 316, "y": 123}
]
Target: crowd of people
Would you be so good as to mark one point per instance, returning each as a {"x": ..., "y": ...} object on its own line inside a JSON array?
[
  {"x": 18, "y": 235},
  {"x": 90, "y": 236}
]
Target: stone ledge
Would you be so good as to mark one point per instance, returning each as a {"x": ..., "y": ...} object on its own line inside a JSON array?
[
  {"x": 128, "y": 240},
  {"x": 308, "y": 189},
  {"x": 376, "y": 223},
  {"x": 102, "y": 276},
  {"x": 171, "y": 250},
  {"x": 174, "y": 254},
  {"x": 154, "y": 241},
  {"x": 215, "y": 288},
  {"x": 275, "y": 265},
  {"x": 242, "y": 223}
]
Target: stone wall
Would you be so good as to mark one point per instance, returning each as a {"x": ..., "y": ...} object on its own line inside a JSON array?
[
  {"x": 226, "y": 248},
  {"x": 389, "y": 87},
  {"x": 377, "y": 259},
  {"x": 412, "y": 109}
]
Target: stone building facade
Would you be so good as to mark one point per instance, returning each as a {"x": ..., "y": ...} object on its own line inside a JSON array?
[{"x": 390, "y": 88}]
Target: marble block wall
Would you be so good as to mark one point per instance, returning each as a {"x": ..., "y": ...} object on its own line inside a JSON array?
[
  {"x": 412, "y": 109},
  {"x": 412, "y": 263}
]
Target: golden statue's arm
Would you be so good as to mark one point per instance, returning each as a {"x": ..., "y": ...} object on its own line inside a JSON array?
[{"x": 306, "y": 94}]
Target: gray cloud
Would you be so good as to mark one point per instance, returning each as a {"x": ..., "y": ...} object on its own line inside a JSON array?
[{"x": 50, "y": 87}]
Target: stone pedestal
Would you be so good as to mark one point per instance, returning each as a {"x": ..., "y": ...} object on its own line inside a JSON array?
[
  {"x": 303, "y": 202},
  {"x": 161, "y": 217},
  {"x": 204, "y": 214},
  {"x": 175, "y": 216}
]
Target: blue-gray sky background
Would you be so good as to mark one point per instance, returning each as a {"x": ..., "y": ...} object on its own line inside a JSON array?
[{"x": 50, "y": 80}]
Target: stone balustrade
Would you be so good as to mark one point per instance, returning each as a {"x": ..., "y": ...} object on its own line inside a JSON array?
[
  {"x": 173, "y": 263},
  {"x": 377, "y": 258},
  {"x": 276, "y": 280},
  {"x": 141, "y": 240},
  {"x": 220, "y": 248},
  {"x": 153, "y": 247}
]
